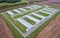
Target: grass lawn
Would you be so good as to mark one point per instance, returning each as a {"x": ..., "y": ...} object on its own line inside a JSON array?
[
  {"x": 36, "y": 17},
  {"x": 44, "y": 14},
  {"x": 18, "y": 24},
  {"x": 18, "y": 16},
  {"x": 14, "y": 12},
  {"x": 34, "y": 33},
  {"x": 27, "y": 8},
  {"x": 30, "y": 21}
]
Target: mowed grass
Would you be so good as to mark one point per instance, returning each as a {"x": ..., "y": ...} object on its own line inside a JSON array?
[
  {"x": 18, "y": 16},
  {"x": 29, "y": 21},
  {"x": 36, "y": 17},
  {"x": 14, "y": 12},
  {"x": 44, "y": 14},
  {"x": 27, "y": 8},
  {"x": 18, "y": 24}
]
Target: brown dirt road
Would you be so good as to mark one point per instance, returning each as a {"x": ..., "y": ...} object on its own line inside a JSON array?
[
  {"x": 52, "y": 30},
  {"x": 5, "y": 32}
]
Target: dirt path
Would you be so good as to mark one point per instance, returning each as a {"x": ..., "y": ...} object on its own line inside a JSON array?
[
  {"x": 4, "y": 30},
  {"x": 52, "y": 30}
]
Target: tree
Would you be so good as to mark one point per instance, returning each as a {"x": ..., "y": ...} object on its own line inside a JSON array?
[
  {"x": 2, "y": 1},
  {"x": 9, "y": 1},
  {"x": 12, "y": 1}
]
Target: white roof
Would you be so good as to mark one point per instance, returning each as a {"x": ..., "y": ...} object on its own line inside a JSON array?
[
  {"x": 22, "y": 9},
  {"x": 38, "y": 15},
  {"x": 25, "y": 23},
  {"x": 9, "y": 12},
  {"x": 45, "y": 12},
  {"x": 17, "y": 10}
]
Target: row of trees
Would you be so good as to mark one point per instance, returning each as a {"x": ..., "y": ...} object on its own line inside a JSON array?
[{"x": 9, "y": 1}]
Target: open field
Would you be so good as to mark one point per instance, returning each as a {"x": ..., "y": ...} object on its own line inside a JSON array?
[
  {"x": 25, "y": 22},
  {"x": 52, "y": 30},
  {"x": 4, "y": 30}
]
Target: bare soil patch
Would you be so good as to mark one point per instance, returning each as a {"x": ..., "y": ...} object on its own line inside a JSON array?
[
  {"x": 52, "y": 30},
  {"x": 5, "y": 32}
]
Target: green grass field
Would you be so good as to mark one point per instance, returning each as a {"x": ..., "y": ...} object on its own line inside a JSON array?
[
  {"x": 27, "y": 8},
  {"x": 44, "y": 14},
  {"x": 18, "y": 24},
  {"x": 14, "y": 12},
  {"x": 30, "y": 21},
  {"x": 36, "y": 17}
]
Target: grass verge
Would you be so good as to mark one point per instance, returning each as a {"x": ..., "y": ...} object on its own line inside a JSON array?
[
  {"x": 27, "y": 8},
  {"x": 30, "y": 21},
  {"x": 44, "y": 14},
  {"x": 36, "y": 17}
]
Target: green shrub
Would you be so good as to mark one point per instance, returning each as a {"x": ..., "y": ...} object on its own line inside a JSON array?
[
  {"x": 12, "y": 1},
  {"x": 9, "y": 1},
  {"x": 23, "y": 3},
  {"x": 1, "y": 1}
]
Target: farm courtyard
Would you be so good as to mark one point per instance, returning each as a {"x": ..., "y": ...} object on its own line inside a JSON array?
[{"x": 27, "y": 19}]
